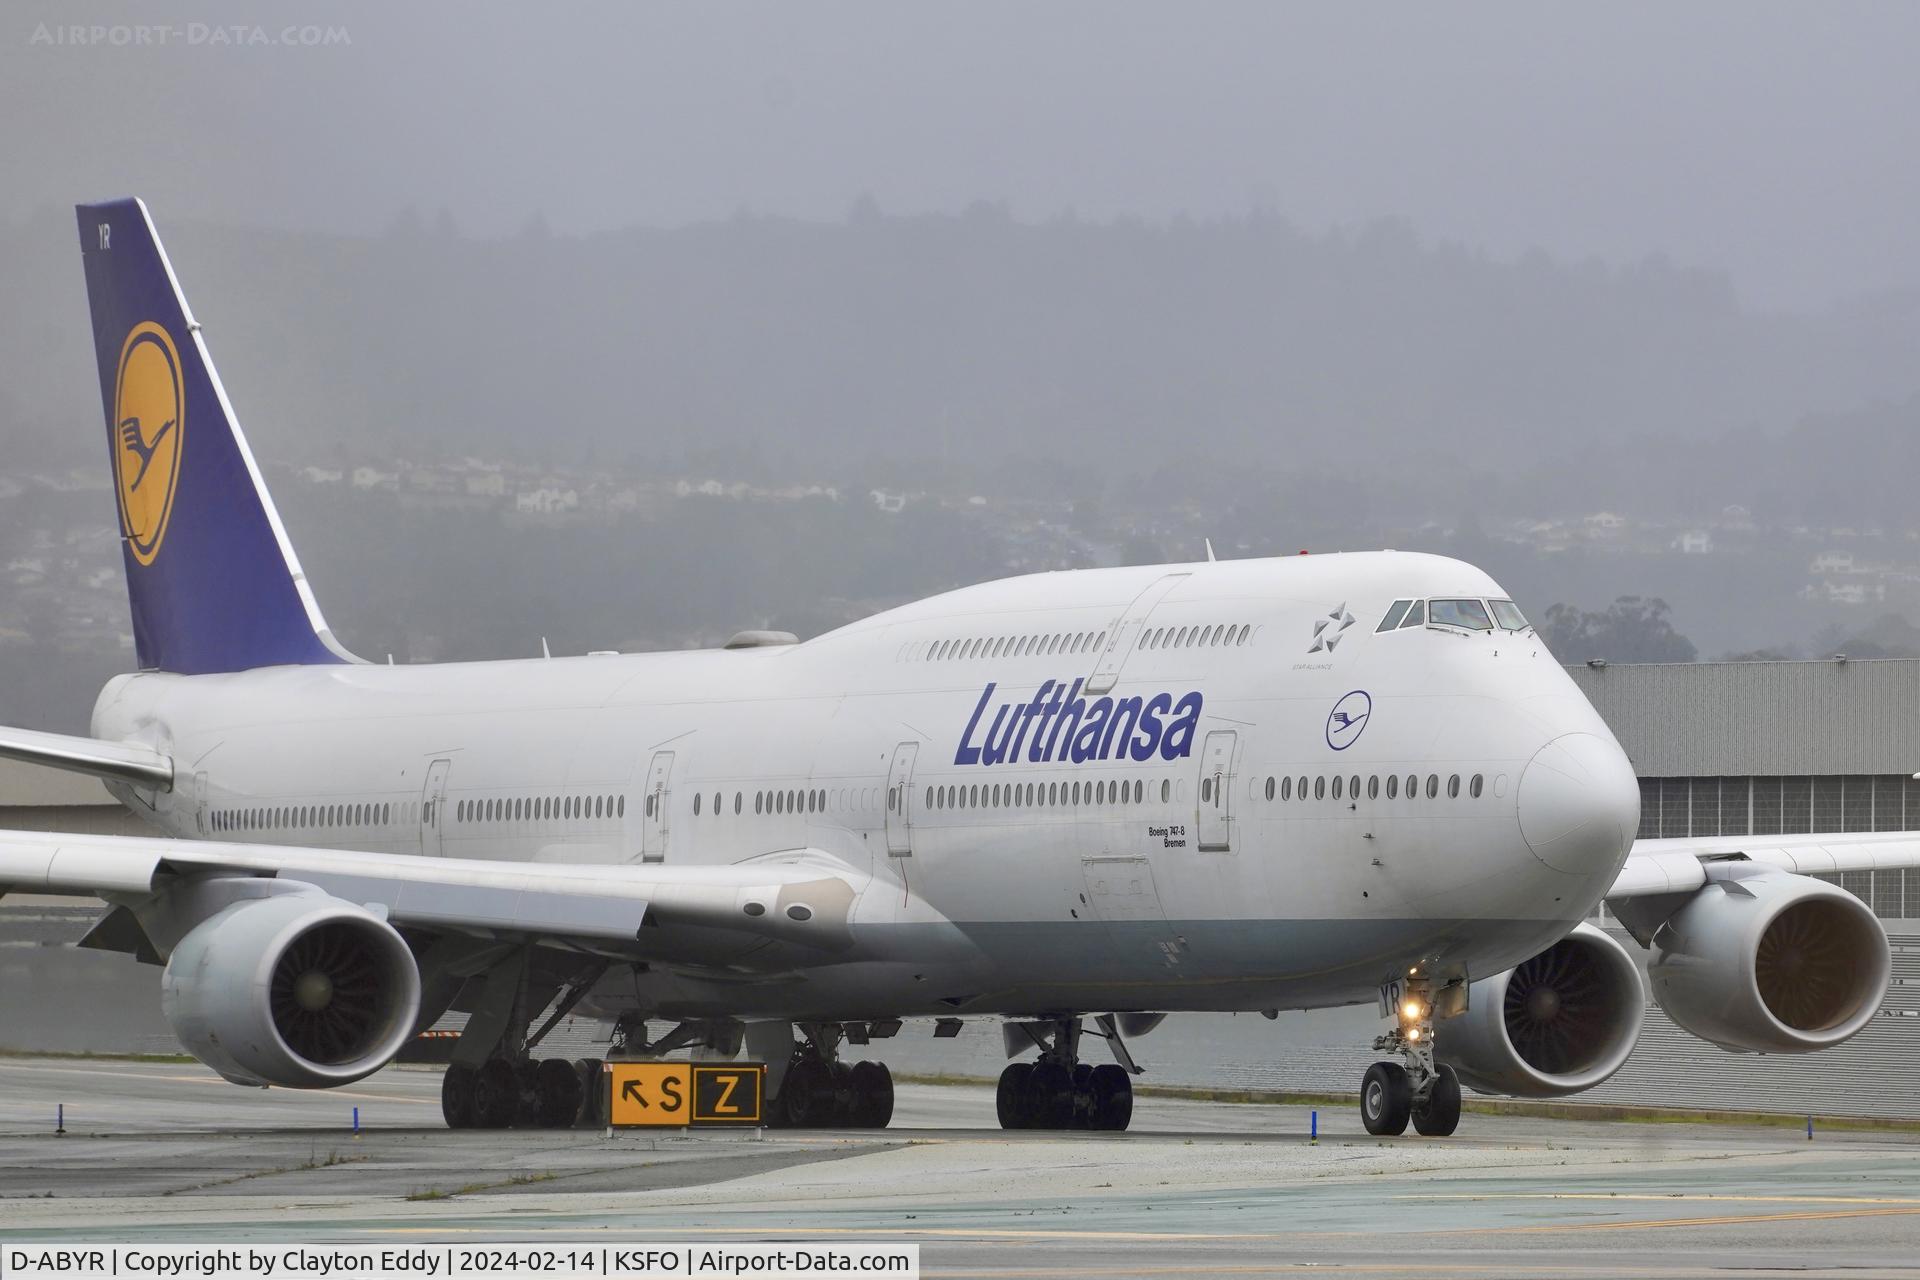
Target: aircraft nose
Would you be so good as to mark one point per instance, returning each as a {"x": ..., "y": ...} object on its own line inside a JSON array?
[{"x": 1579, "y": 804}]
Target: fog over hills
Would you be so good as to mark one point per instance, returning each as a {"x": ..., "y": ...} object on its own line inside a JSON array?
[{"x": 962, "y": 337}]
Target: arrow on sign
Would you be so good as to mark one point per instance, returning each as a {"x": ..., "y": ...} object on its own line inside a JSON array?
[{"x": 631, "y": 1092}]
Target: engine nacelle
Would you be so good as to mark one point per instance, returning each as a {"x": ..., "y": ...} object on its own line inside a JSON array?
[
  {"x": 1556, "y": 1024},
  {"x": 1771, "y": 963},
  {"x": 297, "y": 989}
]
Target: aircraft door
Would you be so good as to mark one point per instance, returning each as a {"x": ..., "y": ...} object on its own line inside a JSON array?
[
  {"x": 1120, "y": 641},
  {"x": 1216, "y": 792},
  {"x": 900, "y": 800},
  {"x": 432, "y": 799},
  {"x": 653, "y": 809}
]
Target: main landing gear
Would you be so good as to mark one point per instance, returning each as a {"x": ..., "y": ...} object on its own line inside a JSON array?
[
  {"x": 1058, "y": 1091},
  {"x": 819, "y": 1091},
  {"x": 549, "y": 1093},
  {"x": 1422, "y": 1090}
]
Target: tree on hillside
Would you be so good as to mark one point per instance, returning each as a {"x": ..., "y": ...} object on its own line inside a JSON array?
[{"x": 1632, "y": 629}]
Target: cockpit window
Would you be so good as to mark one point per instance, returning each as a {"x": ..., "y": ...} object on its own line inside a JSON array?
[
  {"x": 1471, "y": 614},
  {"x": 1394, "y": 615},
  {"x": 1508, "y": 615},
  {"x": 1416, "y": 616}
]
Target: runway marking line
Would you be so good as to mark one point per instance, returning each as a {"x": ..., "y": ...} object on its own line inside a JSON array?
[
  {"x": 1676, "y": 1198},
  {"x": 206, "y": 1079}
]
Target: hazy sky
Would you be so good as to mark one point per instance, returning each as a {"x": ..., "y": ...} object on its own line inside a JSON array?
[{"x": 1777, "y": 142}]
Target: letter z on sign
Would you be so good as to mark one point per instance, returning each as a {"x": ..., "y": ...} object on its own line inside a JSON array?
[{"x": 650, "y": 1093}]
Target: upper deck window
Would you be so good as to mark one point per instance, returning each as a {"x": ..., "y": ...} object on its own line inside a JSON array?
[
  {"x": 1470, "y": 614},
  {"x": 1508, "y": 615}
]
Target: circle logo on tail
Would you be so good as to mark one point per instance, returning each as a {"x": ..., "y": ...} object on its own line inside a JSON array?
[
  {"x": 1348, "y": 719},
  {"x": 149, "y": 423}
]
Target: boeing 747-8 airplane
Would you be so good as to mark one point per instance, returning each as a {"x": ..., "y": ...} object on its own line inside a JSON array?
[{"x": 1070, "y": 802}]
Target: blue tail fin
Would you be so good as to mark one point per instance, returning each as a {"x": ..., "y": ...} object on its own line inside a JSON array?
[{"x": 214, "y": 583}]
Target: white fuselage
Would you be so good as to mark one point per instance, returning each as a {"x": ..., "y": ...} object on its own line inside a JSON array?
[{"x": 1023, "y": 858}]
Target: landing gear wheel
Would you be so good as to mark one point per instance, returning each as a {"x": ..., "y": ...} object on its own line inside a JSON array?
[
  {"x": 872, "y": 1095},
  {"x": 527, "y": 1072},
  {"x": 1112, "y": 1091},
  {"x": 806, "y": 1096},
  {"x": 843, "y": 1103},
  {"x": 1440, "y": 1115},
  {"x": 456, "y": 1097},
  {"x": 557, "y": 1091},
  {"x": 1050, "y": 1091},
  {"x": 1011, "y": 1099},
  {"x": 1386, "y": 1099},
  {"x": 593, "y": 1093},
  {"x": 496, "y": 1095}
]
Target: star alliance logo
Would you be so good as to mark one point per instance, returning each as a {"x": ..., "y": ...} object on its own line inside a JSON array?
[{"x": 1328, "y": 630}]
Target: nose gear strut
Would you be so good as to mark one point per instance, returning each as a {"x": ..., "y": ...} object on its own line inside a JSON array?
[{"x": 1416, "y": 1088}]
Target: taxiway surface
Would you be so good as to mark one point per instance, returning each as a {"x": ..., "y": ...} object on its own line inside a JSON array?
[{"x": 163, "y": 1151}]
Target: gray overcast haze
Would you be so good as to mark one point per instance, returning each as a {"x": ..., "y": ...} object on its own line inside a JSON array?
[
  {"x": 628, "y": 326},
  {"x": 1772, "y": 141}
]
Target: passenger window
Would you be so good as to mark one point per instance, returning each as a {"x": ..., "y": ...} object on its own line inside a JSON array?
[
  {"x": 1246, "y": 632},
  {"x": 1416, "y": 614},
  {"x": 1433, "y": 786},
  {"x": 1394, "y": 615},
  {"x": 1468, "y": 614},
  {"x": 1336, "y": 787},
  {"x": 1320, "y": 788},
  {"x": 1413, "y": 786},
  {"x": 1353, "y": 787},
  {"x": 1286, "y": 788},
  {"x": 696, "y": 804},
  {"x": 1270, "y": 788},
  {"x": 1373, "y": 787},
  {"x": 1473, "y": 788},
  {"x": 1453, "y": 787},
  {"x": 1166, "y": 790},
  {"x": 1393, "y": 785}
]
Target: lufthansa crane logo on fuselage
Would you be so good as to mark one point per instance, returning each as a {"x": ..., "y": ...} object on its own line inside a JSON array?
[
  {"x": 1348, "y": 719},
  {"x": 149, "y": 424}
]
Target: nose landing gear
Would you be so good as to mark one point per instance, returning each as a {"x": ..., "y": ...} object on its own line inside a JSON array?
[{"x": 1422, "y": 1090}]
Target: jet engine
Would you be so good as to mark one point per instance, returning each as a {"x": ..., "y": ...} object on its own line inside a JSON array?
[
  {"x": 297, "y": 989},
  {"x": 1556, "y": 1024},
  {"x": 1771, "y": 963}
]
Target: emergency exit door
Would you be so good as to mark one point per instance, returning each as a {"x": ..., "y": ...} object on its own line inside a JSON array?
[
  {"x": 653, "y": 808},
  {"x": 433, "y": 799},
  {"x": 1215, "y": 818},
  {"x": 900, "y": 800}
]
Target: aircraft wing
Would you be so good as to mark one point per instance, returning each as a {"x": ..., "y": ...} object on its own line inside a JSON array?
[
  {"x": 1681, "y": 866},
  {"x": 805, "y": 898}
]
